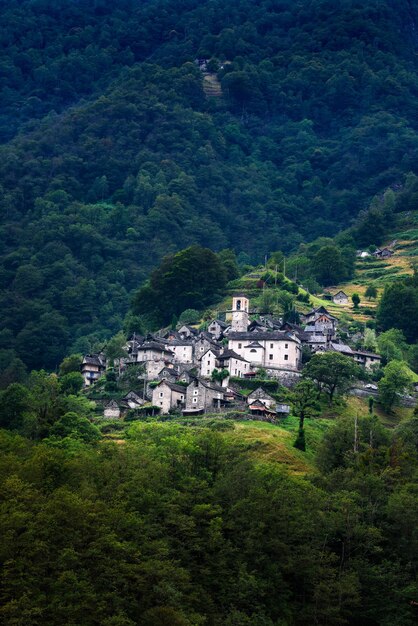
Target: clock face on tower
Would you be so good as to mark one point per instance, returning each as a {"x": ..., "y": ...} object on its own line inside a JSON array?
[{"x": 240, "y": 307}]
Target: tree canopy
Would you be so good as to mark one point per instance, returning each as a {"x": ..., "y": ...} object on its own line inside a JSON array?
[{"x": 114, "y": 153}]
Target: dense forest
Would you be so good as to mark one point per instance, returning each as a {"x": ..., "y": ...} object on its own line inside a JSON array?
[
  {"x": 113, "y": 155},
  {"x": 179, "y": 527}
]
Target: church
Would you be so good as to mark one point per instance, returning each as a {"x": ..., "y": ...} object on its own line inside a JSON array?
[{"x": 276, "y": 351}]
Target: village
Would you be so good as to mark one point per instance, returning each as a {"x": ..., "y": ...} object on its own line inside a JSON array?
[{"x": 192, "y": 372}]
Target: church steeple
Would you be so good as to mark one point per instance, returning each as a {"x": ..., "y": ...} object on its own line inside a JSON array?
[{"x": 240, "y": 308}]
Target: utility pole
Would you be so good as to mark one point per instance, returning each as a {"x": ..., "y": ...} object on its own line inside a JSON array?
[{"x": 356, "y": 434}]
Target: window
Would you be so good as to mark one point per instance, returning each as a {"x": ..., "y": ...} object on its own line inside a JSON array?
[
  {"x": 161, "y": 394},
  {"x": 238, "y": 305},
  {"x": 195, "y": 392},
  {"x": 270, "y": 357},
  {"x": 286, "y": 357},
  {"x": 253, "y": 350},
  {"x": 271, "y": 345},
  {"x": 195, "y": 400},
  {"x": 286, "y": 345},
  {"x": 239, "y": 346}
]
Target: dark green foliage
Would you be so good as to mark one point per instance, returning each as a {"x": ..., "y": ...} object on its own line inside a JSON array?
[
  {"x": 340, "y": 442},
  {"x": 332, "y": 372},
  {"x": 72, "y": 383},
  {"x": 371, "y": 292},
  {"x": 398, "y": 308},
  {"x": 113, "y": 157},
  {"x": 166, "y": 529},
  {"x": 189, "y": 316},
  {"x": 356, "y": 300},
  {"x": 300, "y": 442},
  {"x": 192, "y": 277},
  {"x": 328, "y": 265},
  {"x": 395, "y": 382},
  {"x": 323, "y": 262},
  {"x": 76, "y": 427},
  {"x": 111, "y": 383}
]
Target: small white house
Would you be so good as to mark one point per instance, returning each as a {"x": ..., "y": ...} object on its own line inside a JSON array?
[
  {"x": 208, "y": 362},
  {"x": 112, "y": 410},
  {"x": 340, "y": 298}
]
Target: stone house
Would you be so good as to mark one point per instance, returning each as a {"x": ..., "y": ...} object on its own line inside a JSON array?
[
  {"x": 340, "y": 298},
  {"x": 182, "y": 349},
  {"x": 271, "y": 350},
  {"x": 93, "y": 367},
  {"x": 202, "y": 345},
  {"x": 167, "y": 396},
  {"x": 366, "y": 359},
  {"x": 186, "y": 374},
  {"x": 383, "y": 253},
  {"x": 321, "y": 316},
  {"x": 168, "y": 373},
  {"x": 112, "y": 410},
  {"x": 234, "y": 363},
  {"x": 204, "y": 396},
  {"x": 187, "y": 332},
  {"x": 208, "y": 362},
  {"x": 217, "y": 328},
  {"x": 263, "y": 396},
  {"x": 153, "y": 351},
  {"x": 132, "y": 400}
]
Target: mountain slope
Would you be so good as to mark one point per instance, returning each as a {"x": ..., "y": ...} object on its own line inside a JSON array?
[{"x": 113, "y": 155}]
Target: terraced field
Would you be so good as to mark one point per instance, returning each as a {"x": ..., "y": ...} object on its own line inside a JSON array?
[{"x": 376, "y": 272}]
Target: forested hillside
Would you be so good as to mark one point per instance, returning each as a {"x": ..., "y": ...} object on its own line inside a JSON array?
[{"x": 113, "y": 155}]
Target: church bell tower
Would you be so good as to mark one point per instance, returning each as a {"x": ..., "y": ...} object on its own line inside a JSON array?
[{"x": 240, "y": 308}]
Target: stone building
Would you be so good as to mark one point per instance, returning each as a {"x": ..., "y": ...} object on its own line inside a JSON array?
[
  {"x": 93, "y": 367},
  {"x": 112, "y": 410},
  {"x": 204, "y": 396},
  {"x": 271, "y": 350},
  {"x": 340, "y": 298},
  {"x": 167, "y": 396}
]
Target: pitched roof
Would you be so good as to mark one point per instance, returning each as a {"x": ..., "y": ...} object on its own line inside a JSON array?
[
  {"x": 341, "y": 347},
  {"x": 260, "y": 391},
  {"x": 254, "y": 344},
  {"x": 275, "y": 335},
  {"x": 173, "y": 386},
  {"x": 92, "y": 359},
  {"x": 215, "y": 351},
  {"x": 230, "y": 354},
  {"x": 210, "y": 385},
  {"x": 180, "y": 342},
  {"x": 369, "y": 354},
  {"x": 153, "y": 345},
  {"x": 220, "y": 322},
  {"x": 112, "y": 405}
]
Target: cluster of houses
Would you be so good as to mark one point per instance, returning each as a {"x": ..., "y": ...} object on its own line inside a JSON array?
[
  {"x": 179, "y": 365},
  {"x": 379, "y": 253}
]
